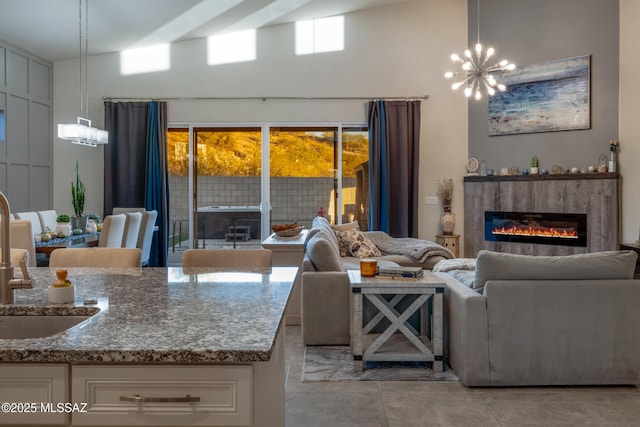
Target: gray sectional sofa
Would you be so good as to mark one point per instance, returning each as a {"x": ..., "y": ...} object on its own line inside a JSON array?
[
  {"x": 325, "y": 285},
  {"x": 536, "y": 320}
]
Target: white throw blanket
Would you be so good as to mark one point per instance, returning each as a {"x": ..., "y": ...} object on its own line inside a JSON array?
[
  {"x": 455, "y": 264},
  {"x": 416, "y": 249},
  {"x": 461, "y": 269}
]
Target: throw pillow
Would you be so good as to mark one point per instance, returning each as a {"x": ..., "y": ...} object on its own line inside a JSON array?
[{"x": 355, "y": 243}]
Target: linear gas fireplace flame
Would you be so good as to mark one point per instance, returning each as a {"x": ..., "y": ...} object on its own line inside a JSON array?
[
  {"x": 536, "y": 230},
  {"x": 536, "y": 227}
]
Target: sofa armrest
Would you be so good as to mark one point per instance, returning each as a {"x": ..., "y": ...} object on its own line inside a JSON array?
[
  {"x": 325, "y": 308},
  {"x": 466, "y": 333}
]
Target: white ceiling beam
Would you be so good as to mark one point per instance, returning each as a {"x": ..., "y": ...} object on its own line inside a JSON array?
[
  {"x": 267, "y": 14},
  {"x": 185, "y": 23}
]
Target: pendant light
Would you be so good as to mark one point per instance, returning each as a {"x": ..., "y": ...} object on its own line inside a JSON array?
[
  {"x": 476, "y": 71},
  {"x": 82, "y": 132}
]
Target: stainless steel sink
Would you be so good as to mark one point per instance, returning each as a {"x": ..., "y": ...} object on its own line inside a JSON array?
[{"x": 20, "y": 323}]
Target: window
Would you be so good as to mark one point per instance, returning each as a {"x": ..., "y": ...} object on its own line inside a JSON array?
[
  {"x": 145, "y": 60},
  {"x": 355, "y": 175},
  {"x": 303, "y": 173},
  {"x": 231, "y": 152},
  {"x": 306, "y": 176},
  {"x": 178, "y": 152},
  {"x": 320, "y": 35},
  {"x": 231, "y": 47}
]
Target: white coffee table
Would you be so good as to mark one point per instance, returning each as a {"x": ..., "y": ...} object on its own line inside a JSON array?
[{"x": 409, "y": 344}]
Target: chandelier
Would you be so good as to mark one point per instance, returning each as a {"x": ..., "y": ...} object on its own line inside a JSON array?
[
  {"x": 476, "y": 71},
  {"x": 82, "y": 132}
]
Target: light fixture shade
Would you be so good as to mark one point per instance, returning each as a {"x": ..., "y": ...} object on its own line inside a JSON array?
[{"x": 83, "y": 134}]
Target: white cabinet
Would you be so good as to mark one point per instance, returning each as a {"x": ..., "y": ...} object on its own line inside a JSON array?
[
  {"x": 289, "y": 252},
  {"x": 144, "y": 395},
  {"x": 36, "y": 390},
  {"x": 242, "y": 394}
]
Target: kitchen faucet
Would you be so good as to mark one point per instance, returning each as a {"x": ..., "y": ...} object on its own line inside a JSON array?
[{"x": 7, "y": 282}]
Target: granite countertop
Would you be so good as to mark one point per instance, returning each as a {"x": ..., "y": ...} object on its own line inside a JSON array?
[{"x": 157, "y": 315}]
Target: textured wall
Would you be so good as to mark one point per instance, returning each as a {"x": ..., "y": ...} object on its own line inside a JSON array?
[{"x": 530, "y": 32}]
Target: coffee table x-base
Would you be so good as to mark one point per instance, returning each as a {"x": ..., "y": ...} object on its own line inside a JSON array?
[{"x": 399, "y": 341}]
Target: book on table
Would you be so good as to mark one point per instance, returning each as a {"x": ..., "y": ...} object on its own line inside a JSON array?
[{"x": 401, "y": 271}]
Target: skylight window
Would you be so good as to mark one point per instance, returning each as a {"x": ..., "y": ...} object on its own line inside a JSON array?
[
  {"x": 145, "y": 59},
  {"x": 231, "y": 47},
  {"x": 320, "y": 35}
]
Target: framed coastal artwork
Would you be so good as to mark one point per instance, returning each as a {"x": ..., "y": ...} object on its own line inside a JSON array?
[{"x": 546, "y": 97}]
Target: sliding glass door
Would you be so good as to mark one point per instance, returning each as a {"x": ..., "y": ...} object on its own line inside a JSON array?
[
  {"x": 355, "y": 175},
  {"x": 227, "y": 182},
  {"x": 303, "y": 179},
  {"x": 228, "y": 185}
]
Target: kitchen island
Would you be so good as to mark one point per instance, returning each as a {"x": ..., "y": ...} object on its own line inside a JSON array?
[{"x": 165, "y": 348}]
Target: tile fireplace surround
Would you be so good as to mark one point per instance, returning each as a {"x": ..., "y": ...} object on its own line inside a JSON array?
[{"x": 596, "y": 195}]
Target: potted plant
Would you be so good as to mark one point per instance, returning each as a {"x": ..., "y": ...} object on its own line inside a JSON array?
[
  {"x": 79, "y": 222},
  {"x": 447, "y": 219},
  {"x": 63, "y": 228},
  {"x": 534, "y": 165}
]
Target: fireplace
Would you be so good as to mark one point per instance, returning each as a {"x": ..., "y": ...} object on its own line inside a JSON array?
[{"x": 547, "y": 228}]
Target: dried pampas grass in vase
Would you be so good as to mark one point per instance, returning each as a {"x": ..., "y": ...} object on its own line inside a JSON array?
[{"x": 447, "y": 219}]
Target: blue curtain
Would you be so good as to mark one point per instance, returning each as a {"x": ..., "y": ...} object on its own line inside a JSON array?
[
  {"x": 135, "y": 165},
  {"x": 157, "y": 180},
  {"x": 378, "y": 171},
  {"x": 394, "y": 156}
]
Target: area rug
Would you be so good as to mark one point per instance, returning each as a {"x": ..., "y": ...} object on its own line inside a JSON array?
[{"x": 323, "y": 364}]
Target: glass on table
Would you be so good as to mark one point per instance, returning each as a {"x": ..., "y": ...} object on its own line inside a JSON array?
[{"x": 368, "y": 267}]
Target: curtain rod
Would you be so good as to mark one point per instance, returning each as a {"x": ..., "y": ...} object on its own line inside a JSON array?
[{"x": 263, "y": 98}]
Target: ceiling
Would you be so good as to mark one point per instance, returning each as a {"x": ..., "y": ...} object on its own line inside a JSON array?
[{"x": 50, "y": 28}]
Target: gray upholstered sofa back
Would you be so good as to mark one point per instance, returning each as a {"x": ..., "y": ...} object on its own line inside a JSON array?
[{"x": 591, "y": 266}]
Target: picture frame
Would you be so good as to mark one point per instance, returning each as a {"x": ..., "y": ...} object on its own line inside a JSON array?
[{"x": 545, "y": 97}]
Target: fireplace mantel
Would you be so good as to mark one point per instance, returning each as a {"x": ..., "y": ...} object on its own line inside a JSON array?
[
  {"x": 594, "y": 194},
  {"x": 539, "y": 177}
]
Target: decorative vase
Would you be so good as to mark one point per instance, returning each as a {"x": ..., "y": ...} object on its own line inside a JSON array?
[
  {"x": 448, "y": 222},
  {"x": 64, "y": 227},
  {"x": 612, "y": 162},
  {"x": 92, "y": 227},
  {"x": 79, "y": 222}
]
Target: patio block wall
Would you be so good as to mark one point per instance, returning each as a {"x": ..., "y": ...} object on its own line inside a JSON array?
[{"x": 292, "y": 199}]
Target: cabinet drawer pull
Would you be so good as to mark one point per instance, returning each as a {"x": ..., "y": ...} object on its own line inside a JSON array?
[{"x": 141, "y": 399}]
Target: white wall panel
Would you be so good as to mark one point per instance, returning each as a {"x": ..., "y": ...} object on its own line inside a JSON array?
[
  {"x": 3, "y": 177},
  {"x": 3, "y": 66},
  {"x": 18, "y": 184},
  {"x": 18, "y": 73},
  {"x": 40, "y": 81},
  {"x": 26, "y": 157},
  {"x": 39, "y": 193},
  {"x": 39, "y": 136},
  {"x": 18, "y": 128}
]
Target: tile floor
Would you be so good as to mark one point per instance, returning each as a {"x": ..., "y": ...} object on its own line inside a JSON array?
[{"x": 406, "y": 404}]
